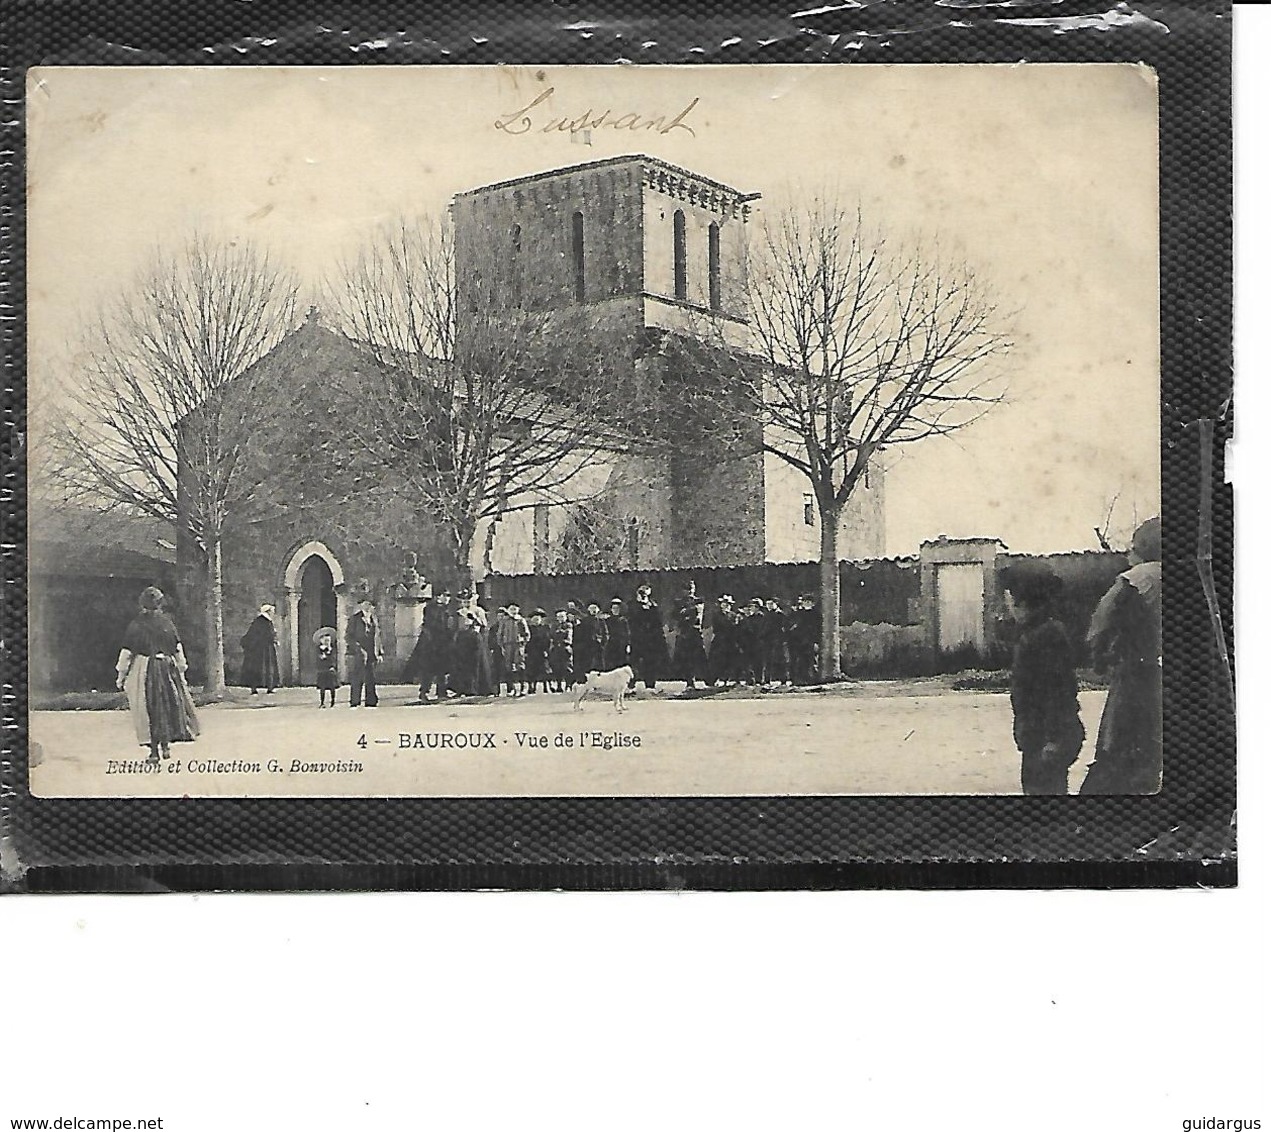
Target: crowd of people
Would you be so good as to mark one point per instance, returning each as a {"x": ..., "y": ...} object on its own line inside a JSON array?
[{"x": 464, "y": 651}]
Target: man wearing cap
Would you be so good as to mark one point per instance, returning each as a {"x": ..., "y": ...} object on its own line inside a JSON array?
[
  {"x": 617, "y": 637},
  {"x": 1046, "y": 716},
  {"x": 365, "y": 651}
]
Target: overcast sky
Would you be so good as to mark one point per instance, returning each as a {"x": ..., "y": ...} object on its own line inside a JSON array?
[{"x": 1043, "y": 177}]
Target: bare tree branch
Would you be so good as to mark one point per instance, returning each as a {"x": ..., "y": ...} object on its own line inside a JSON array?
[
  {"x": 480, "y": 412},
  {"x": 858, "y": 346},
  {"x": 165, "y": 402}
]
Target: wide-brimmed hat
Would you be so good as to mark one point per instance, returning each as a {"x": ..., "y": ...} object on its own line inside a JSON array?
[
  {"x": 539, "y": 613},
  {"x": 326, "y": 633}
]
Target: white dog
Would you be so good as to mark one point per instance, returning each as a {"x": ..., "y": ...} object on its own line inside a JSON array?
[{"x": 605, "y": 684}]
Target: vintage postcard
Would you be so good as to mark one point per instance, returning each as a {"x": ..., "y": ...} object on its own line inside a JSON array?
[{"x": 594, "y": 431}]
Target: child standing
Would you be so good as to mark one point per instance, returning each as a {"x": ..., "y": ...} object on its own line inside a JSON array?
[
  {"x": 514, "y": 636},
  {"x": 560, "y": 657},
  {"x": 326, "y": 679},
  {"x": 1048, "y": 730}
]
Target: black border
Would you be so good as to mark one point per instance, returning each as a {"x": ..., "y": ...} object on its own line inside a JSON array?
[{"x": 1183, "y": 837}]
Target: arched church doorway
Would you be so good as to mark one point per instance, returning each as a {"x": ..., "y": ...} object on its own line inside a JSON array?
[
  {"x": 316, "y": 607},
  {"x": 314, "y": 583}
]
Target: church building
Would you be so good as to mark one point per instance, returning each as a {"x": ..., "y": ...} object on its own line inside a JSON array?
[{"x": 645, "y": 249}]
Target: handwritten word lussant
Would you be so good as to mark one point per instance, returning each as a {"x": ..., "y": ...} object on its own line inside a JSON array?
[{"x": 523, "y": 121}]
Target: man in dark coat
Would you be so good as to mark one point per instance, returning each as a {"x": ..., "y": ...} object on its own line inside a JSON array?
[
  {"x": 724, "y": 657},
  {"x": 778, "y": 654},
  {"x": 804, "y": 636},
  {"x": 590, "y": 636},
  {"x": 431, "y": 657},
  {"x": 365, "y": 650},
  {"x": 536, "y": 650},
  {"x": 260, "y": 652},
  {"x": 1125, "y": 639},
  {"x": 690, "y": 646},
  {"x": 753, "y": 639},
  {"x": 617, "y": 637},
  {"x": 648, "y": 639},
  {"x": 1047, "y": 720}
]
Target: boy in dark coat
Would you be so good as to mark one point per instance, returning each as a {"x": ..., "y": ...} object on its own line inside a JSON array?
[
  {"x": 560, "y": 655},
  {"x": 1048, "y": 729}
]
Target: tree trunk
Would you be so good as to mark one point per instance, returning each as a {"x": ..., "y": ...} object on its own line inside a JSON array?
[
  {"x": 829, "y": 666},
  {"x": 461, "y": 549},
  {"x": 214, "y": 680}
]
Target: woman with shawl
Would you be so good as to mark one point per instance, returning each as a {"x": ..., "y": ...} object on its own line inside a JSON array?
[
  {"x": 260, "y": 652},
  {"x": 1125, "y": 639},
  {"x": 151, "y": 670}
]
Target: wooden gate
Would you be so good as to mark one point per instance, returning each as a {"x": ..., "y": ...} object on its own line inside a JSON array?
[{"x": 960, "y": 606}]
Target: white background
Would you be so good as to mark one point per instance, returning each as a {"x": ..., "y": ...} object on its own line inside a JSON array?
[{"x": 910, "y": 1011}]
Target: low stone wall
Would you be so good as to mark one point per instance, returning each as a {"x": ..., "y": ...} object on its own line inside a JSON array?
[{"x": 883, "y": 650}]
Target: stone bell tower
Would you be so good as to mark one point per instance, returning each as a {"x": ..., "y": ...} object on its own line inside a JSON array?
[{"x": 634, "y": 236}]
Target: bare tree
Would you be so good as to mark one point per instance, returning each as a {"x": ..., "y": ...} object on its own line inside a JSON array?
[
  {"x": 164, "y": 403},
  {"x": 857, "y": 347},
  {"x": 477, "y": 409},
  {"x": 1118, "y": 526}
]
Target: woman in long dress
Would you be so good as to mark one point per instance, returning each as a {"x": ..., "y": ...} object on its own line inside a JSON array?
[
  {"x": 151, "y": 670},
  {"x": 469, "y": 665}
]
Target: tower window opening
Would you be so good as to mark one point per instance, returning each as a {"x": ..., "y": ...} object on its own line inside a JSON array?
[
  {"x": 516, "y": 265},
  {"x": 681, "y": 257},
  {"x": 809, "y": 512},
  {"x": 713, "y": 253},
  {"x": 580, "y": 276}
]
